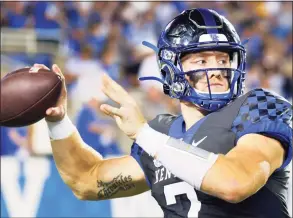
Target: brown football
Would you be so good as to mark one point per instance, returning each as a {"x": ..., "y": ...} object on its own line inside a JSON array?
[{"x": 25, "y": 96}]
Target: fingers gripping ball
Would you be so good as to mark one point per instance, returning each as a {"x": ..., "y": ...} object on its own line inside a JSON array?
[{"x": 26, "y": 96}]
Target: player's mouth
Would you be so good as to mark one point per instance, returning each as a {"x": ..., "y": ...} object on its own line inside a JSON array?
[{"x": 215, "y": 85}]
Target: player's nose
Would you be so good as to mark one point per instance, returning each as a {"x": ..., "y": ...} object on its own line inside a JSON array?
[
  {"x": 213, "y": 63},
  {"x": 214, "y": 73}
]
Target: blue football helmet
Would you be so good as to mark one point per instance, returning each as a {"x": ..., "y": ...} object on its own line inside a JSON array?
[{"x": 194, "y": 31}]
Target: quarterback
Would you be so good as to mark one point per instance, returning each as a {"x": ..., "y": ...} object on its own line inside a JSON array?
[{"x": 228, "y": 149}]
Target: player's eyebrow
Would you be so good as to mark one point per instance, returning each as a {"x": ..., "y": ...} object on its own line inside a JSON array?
[
  {"x": 203, "y": 55},
  {"x": 222, "y": 55},
  {"x": 194, "y": 56},
  {"x": 186, "y": 56}
]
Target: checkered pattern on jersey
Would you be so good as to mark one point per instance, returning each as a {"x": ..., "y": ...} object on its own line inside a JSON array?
[{"x": 262, "y": 105}]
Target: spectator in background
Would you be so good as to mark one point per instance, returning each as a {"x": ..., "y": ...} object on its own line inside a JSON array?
[
  {"x": 289, "y": 42},
  {"x": 48, "y": 15},
  {"x": 85, "y": 60},
  {"x": 110, "y": 54},
  {"x": 164, "y": 12},
  {"x": 16, "y": 15},
  {"x": 255, "y": 77},
  {"x": 275, "y": 81},
  {"x": 95, "y": 129},
  {"x": 108, "y": 10},
  {"x": 286, "y": 70},
  {"x": 149, "y": 67},
  {"x": 83, "y": 7},
  {"x": 283, "y": 24},
  {"x": 3, "y": 10},
  {"x": 54, "y": 13},
  {"x": 97, "y": 33},
  {"x": 14, "y": 141},
  {"x": 73, "y": 17},
  {"x": 38, "y": 138},
  {"x": 84, "y": 74},
  {"x": 75, "y": 36},
  {"x": 140, "y": 19},
  {"x": 252, "y": 32}
]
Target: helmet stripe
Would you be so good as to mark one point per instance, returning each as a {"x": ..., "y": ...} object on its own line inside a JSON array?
[{"x": 208, "y": 20}]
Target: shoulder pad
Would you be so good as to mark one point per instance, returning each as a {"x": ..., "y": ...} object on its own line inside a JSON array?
[
  {"x": 267, "y": 113},
  {"x": 162, "y": 122},
  {"x": 261, "y": 104}
]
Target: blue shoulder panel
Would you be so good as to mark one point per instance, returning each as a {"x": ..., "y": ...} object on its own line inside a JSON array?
[
  {"x": 136, "y": 153},
  {"x": 269, "y": 114}
]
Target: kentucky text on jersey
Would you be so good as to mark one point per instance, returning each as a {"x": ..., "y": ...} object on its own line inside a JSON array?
[{"x": 163, "y": 174}]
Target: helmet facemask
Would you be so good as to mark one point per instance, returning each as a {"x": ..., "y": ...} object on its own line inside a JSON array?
[{"x": 214, "y": 81}]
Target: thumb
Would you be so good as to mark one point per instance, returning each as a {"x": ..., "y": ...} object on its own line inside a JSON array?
[{"x": 57, "y": 70}]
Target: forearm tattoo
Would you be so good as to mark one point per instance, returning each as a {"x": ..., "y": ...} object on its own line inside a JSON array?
[{"x": 119, "y": 183}]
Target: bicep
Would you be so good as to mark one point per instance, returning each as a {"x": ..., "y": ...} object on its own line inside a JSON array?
[
  {"x": 253, "y": 149},
  {"x": 114, "y": 178},
  {"x": 244, "y": 169}
]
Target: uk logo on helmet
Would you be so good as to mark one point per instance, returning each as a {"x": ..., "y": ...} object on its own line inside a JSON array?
[{"x": 215, "y": 37}]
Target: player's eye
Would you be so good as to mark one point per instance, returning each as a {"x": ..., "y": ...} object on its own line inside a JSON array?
[
  {"x": 223, "y": 62},
  {"x": 200, "y": 62}
]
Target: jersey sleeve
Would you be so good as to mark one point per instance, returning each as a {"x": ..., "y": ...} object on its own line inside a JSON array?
[
  {"x": 137, "y": 153},
  {"x": 269, "y": 114},
  {"x": 162, "y": 123}
]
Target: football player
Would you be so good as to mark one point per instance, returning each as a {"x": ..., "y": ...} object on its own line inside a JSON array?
[{"x": 229, "y": 148}]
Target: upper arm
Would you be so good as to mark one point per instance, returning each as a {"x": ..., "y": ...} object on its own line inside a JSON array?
[
  {"x": 254, "y": 151},
  {"x": 113, "y": 178},
  {"x": 244, "y": 169},
  {"x": 264, "y": 125}
]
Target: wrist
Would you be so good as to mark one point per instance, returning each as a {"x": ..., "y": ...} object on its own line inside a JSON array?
[
  {"x": 150, "y": 140},
  {"x": 138, "y": 132},
  {"x": 60, "y": 129}
]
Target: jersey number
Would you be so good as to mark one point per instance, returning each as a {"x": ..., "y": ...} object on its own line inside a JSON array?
[{"x": 180, "y": 188}]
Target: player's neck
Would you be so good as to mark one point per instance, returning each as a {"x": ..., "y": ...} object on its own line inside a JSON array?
[{"x": 191, "y": 114}]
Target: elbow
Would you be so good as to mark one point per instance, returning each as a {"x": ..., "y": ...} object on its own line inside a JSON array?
[
  {"x": 238, "y": 190},
  {"x": 77, "y": 192},
  {"x": 235, "y": 193},
  {"x": 234, "y": 196},
  {"x": 85, "y": 195},
  {"x": 79, "y": 196},
  {"x": 81, "y": 190}
]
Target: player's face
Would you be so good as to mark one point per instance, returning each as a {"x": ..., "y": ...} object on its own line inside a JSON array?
[{"x": 207, "y": 59}]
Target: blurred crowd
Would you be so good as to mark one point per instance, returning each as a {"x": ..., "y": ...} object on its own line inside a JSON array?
[{"x": 106, "y": 37}]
